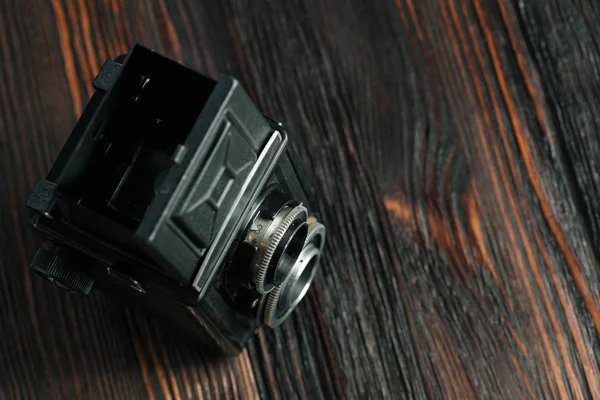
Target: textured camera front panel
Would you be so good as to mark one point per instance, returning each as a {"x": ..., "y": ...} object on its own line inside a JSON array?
[{"x": 208, "y": 201}]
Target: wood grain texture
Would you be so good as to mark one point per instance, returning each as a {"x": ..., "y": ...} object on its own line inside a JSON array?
[{"x": 455, "y": 152}]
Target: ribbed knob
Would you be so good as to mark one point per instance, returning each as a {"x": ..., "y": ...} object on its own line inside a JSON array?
[{"x": 61, "y": 270}]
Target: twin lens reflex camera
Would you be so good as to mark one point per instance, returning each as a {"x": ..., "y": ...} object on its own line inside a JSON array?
[{"x": 176, "y": 193}]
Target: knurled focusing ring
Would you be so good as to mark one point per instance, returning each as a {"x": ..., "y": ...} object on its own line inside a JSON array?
[
  {"x": 287, "y": 252},
  {"x": 279, "y": 247},
  {"x": 282, "y": 300}
]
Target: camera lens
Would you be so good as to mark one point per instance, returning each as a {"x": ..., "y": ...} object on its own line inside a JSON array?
[
  {"x": 277, "y": 259},
  {"x": 278, "y": 241},
  {"x": 282, "y": 300}
]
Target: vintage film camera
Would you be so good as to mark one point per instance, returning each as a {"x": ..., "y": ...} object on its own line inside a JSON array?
[{"x": 174, "y": 192}]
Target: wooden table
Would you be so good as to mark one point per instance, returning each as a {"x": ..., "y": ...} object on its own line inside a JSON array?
[{"x": 455, "y": 156}]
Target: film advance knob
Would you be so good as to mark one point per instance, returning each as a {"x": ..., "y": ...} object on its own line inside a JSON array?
[{"x": 61, "y": 270}]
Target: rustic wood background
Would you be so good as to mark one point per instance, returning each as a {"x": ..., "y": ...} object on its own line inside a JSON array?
[{"x": 456, "y": 156}]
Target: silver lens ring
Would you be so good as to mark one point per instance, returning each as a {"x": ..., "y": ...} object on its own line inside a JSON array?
[
  {"x": 295, "y": 287},
  {"x": 282, "y": 300},
  {"x": 270, "y": 243}
]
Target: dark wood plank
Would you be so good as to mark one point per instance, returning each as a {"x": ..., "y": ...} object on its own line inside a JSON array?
[{"x": 455, "y": 151}]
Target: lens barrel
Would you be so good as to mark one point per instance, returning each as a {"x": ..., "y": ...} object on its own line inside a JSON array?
[
  {"x": 282, "y": 300},
  {"x": 285, "y": 250}
]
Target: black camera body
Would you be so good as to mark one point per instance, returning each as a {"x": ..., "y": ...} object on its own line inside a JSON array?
[{"x": 174, "y": 192}]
